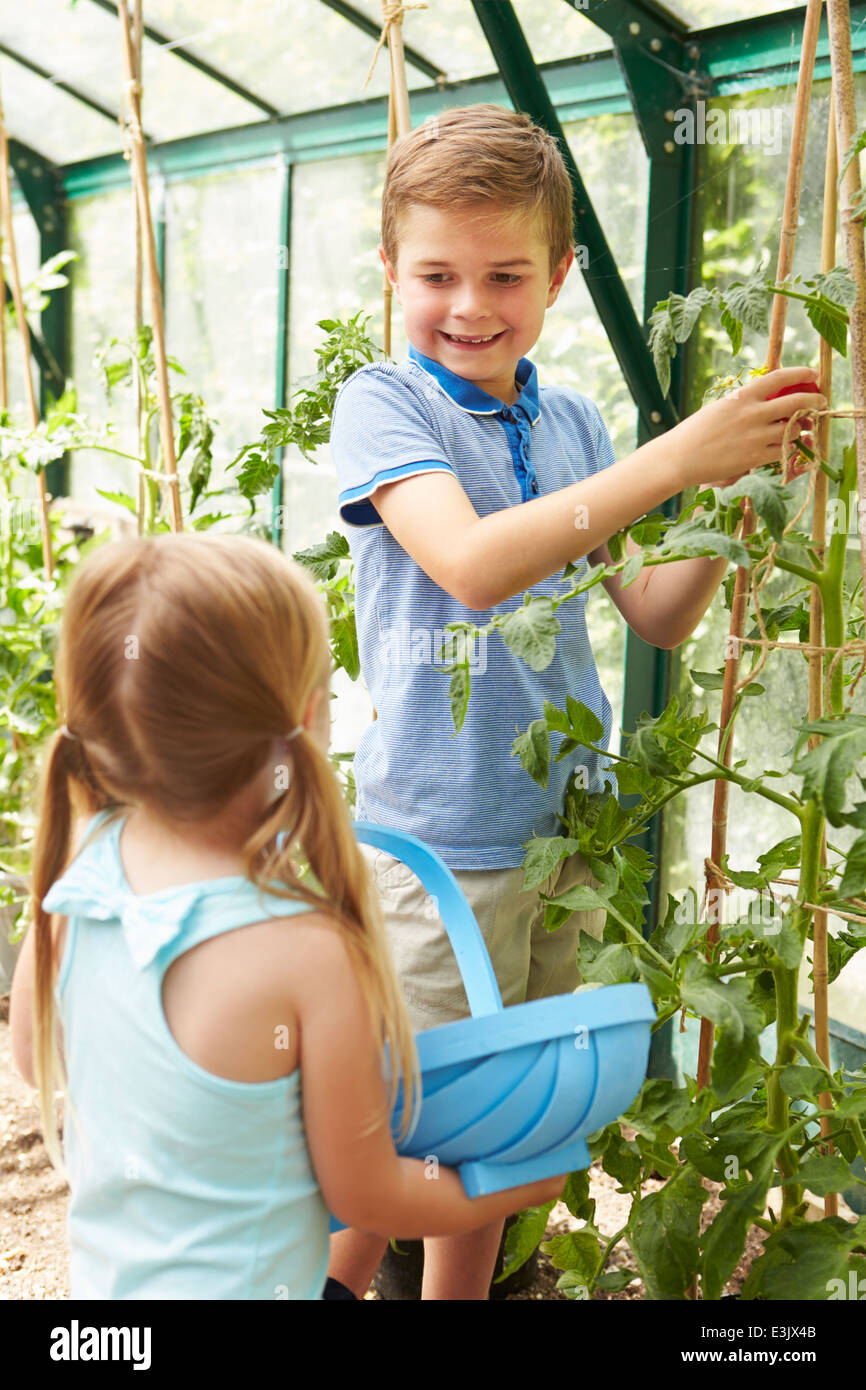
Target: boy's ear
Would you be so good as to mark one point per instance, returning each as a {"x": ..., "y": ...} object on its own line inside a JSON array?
[
  {"x": 389, "y": 270},
  {"x": 559, "y": 276}
]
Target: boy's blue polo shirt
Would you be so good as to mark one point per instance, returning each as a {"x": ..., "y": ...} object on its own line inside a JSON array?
[{"x": 465, "y": 794}]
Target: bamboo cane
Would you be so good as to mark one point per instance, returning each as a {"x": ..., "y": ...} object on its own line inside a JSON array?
[
  {"x": 816, "y": 615},
  {"x": 399, "y": 120},
  {"x": 24, "y": 330},
  {"x": 842, "y": 76},
  {"x": 787, "y": 242},
  {"x": 137, "y": 279},
  {"x": 139, "y": 166}
]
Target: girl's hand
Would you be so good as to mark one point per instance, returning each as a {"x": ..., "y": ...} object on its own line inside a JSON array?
[{"x": 745, "y": 428}]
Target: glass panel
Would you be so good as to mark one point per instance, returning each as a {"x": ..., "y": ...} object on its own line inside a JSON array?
[
  {"x": 82, "y": 46},
  {"x": 741, "y": 190},
  {"x": 222, "y": 274},
  {"x": 554, "y": 32},
  {"x": 48, "y": 120},
  {"x": 450, "y": 36},
  {"x": 335, "y": 269},
  {"x": 299, "y": 55},
  {"x": 102, "y": 231},
  {"x": 704, "y": 14}
]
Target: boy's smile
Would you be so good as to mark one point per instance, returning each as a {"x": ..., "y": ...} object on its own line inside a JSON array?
[{"x": 474, "y": 290}]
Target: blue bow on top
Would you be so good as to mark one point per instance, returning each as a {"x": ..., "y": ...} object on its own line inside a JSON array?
[{"x": 148, "y": 923}]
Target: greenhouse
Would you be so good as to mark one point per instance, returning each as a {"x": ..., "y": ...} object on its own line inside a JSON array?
[{"x": 595, "y": 850}]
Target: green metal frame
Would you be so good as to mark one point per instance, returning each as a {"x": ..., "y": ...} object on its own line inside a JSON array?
[{"x": 657, "y": 67}]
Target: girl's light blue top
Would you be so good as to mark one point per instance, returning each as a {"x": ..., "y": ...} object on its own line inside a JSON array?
[{"x": 183, "y": 1184}]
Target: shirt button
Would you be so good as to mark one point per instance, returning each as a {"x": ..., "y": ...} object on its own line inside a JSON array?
[{"x": 534, "y": 485}]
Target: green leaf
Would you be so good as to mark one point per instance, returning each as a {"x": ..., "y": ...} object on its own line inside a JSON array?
[
  {"x": 663, "y": 1232},
  {"x": 823, "y": 1173},
  {"x": 854, "y": 879},
  {"x": 616, "y": 1280},
  {"x": 575, "y": 1195},
  {"x": 725, "y": 1238},
  {"x": 586, "y": 727},
  {"x": 708, "y": 680},
  {"x": 543, "y": 855},
  {"x": 748, "y": 301},
  {"x": 632, "y": 568},
  {"x": 731, "y": 1058},
  {"x": 770, "y": 499},
  {"x": 836, "y": 285},
  {"x": 732, "y": 327},
  {"x": 831, "y": 328},
  {"x": 530, "y": 632},
  {"x": 684, "y": 313},
  {"x": 576, "y": 1251},
  {"x": 121, "y": 498},
  {"x": 726, "y": 1002},
  {"x": 662, "y": 345},
  {"x": 323, "y": 559},
  {"x": 825, "y": 769},
  {"x": 611, "y": 963},
  {"x": 522, "y": 1238},
  {"x": 799, "y": 1262},
  {"x": 662, "y": 1112},
  {"x": 345, "y": 642},
  {"x": 622, "y": 1160},
  {"x": 802, "y": 1082},
  {"x": 458, "y": 694},
  {"x": 533, "y": 749}
]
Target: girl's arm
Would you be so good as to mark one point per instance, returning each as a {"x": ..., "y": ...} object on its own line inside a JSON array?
[{"x": 365, "y": 1183}]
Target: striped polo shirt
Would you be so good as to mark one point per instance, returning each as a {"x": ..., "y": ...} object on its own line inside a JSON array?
[{"x": 465, "y": 794}]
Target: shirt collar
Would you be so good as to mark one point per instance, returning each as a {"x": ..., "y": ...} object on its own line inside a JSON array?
[{"x": 472, "y": 398}]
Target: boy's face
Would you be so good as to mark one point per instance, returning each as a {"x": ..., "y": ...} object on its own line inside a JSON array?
[{"x": 466, "y": 274}]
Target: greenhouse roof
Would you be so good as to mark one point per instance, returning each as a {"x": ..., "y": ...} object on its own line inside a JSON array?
[{"x": 223, "y": 65}]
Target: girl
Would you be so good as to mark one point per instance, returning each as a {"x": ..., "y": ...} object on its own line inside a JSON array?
[{"x": 184, "y": 973}]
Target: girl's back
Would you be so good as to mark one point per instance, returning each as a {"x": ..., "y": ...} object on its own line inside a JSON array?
[{"x": 189, "y": 1178}]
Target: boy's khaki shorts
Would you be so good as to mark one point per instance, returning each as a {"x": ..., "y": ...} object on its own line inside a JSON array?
[{"x": 529, "y": 962}]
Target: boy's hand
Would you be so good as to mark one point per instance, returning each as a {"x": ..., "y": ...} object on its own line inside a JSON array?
[{"x": 744, "y": 429}]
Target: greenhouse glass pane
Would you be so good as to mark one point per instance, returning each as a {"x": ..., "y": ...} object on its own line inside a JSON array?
[
  {"x": 741, "y": 190},
  {"x": 448, "y": 33},
  {"x": 222, "y": 276},
  {"x": 51, "y": 122},
  {"x": 336, "y": 270},
  {"x": 704, "y": 14},
  {"x": 102, "y": 231},
  {"x": 299, "y": 55},
  {"x": 82, "y": 46}
]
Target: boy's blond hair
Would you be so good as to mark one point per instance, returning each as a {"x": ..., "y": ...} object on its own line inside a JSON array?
[{"x": 485, "y": 153}]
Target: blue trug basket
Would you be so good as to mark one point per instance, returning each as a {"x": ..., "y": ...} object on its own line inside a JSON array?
[{"x": 509, "y": 1095}]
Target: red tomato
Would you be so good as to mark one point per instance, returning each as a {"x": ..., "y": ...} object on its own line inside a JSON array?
[{"x": 798, "y": 386}]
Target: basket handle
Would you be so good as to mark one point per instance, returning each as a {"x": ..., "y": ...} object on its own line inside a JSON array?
[{"x": 464, "y": 933}]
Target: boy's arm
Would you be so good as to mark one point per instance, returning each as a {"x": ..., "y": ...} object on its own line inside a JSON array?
[
  {"x": 664, "y": 603},
  {"x": 484, "y": 560}
]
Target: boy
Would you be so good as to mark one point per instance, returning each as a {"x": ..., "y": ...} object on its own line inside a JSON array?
[{"x": 468, "y": 484}]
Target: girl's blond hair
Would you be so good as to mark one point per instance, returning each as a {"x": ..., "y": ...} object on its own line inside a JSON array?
[
  {"x": 466, "y": 155},
  {"x": 181, "y": 657}
]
